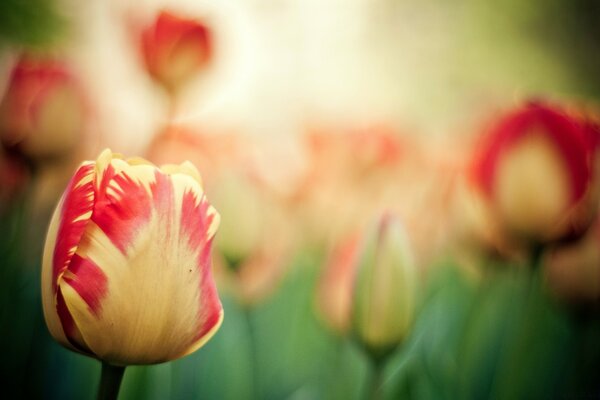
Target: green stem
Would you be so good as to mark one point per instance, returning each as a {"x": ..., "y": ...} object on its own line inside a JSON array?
[
  {"x": 253, "y": 353},
  {"x": 110, "y": 381},
  {"x": 535, "y": 256},
  {"x": 376, "y": 381}
]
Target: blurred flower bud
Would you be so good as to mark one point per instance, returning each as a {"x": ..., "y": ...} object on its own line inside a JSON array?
[
  {"x": 175, "y": 49},
  {"x": 334, "y": 292},
  {"x": 254, "y": 239},
  {"x": 126, "y": 274},
  {"x": 535, "y": 169},
  {"x": 369, "y": 288},
  {"x": 43, "y": 111},
  {"x": 384, "y": 290}
]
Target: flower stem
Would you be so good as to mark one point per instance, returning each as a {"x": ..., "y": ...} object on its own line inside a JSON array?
[
  {"x": 253, "y": 353},
  {"x": 110, "y": 381},
  {"x": 376, "y": 381},
  {"x": 535, "y": 256}
]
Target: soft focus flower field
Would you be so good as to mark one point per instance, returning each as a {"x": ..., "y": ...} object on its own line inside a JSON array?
[{"x": 301, "y": 200}]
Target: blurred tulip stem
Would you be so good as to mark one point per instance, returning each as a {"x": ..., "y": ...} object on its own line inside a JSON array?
[
  {"x": 110, "y": 381},
  {"x": 376, "y": 380},
  {"x": 252, "y": 352},
  {"x": 535, "y": 256}
]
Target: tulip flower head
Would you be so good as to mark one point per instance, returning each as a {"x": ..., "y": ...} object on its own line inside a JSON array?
[
  {"x": 384, "y": 292},
  {"x": 535, "y": 170},
  {"x": 175, "y": 49},
  {"x": 126, "y": 274},
  {"x": 369, "y": 290},
  {"x": 43, "y": 112}
]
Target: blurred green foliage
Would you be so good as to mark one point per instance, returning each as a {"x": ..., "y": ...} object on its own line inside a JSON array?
[{"x": 29, "y": 23}]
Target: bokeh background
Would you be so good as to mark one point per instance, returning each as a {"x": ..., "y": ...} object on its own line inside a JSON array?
[{"x": 308, "y": 120}]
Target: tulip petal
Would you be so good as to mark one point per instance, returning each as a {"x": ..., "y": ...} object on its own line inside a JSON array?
[
  {"x": 66, "y": 229},
  {"x": 144, "y": 254}
]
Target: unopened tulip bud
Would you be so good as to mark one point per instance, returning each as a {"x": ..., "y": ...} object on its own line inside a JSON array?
[
  {"x": 175, "y": 49},
  {"x": 369, "y": 288},
  {"x": 126, "y": 273},
  {"x": 384, "y": 292},
  {"x": 43, "y": 112},
  {"x": 536, "y": 171}
]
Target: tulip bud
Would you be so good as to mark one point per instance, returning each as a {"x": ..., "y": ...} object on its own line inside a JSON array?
[
  {"x": 334, "y": 294},
  {"x": 126, "y": 274},
  {"x": 369, "y": 288},
  {"x": 384, "y": 292},
  {"x": 536, "y": 171},
  {"x": 42, "y": 114},
  {"x": 175, "y": 49}
]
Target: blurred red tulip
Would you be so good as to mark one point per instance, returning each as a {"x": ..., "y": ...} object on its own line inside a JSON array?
[
  {"x": 209, "y": 152},
  {"x": 43, "y": 112},
  {"x": 175, "y": 49},
  {"x": 536, "y": 171}
]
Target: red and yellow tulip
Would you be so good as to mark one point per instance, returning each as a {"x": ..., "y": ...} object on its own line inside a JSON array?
[{"x": 127, "y": 263}]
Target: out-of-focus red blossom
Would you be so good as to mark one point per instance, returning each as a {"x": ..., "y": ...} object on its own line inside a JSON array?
[
  {"x": 536, "y": 171},
  {"x": 356, "y": 164},
  {"x": 573, "y": 270},
  {"x": 209, "y": 152},
  {"x": 43, "y": 112},
  {"x": 175, "y": 49}
]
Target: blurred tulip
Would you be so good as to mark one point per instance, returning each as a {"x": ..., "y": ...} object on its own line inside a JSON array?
[
  {"x": 127, "y": 263},
  {"x": 175, "y": 49},
  {"x": 255, "y": 239},
  {"x": 334, "y": 292},
  {"x": 384, "y": 290},
  {"x": 43, "y": 112},
  {"x": 370, "y": 288},
  {"x": 209, "y": 152},
  {"x": 536, "y": 171}
]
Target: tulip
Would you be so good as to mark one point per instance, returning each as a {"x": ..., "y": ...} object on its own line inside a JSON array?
[
  {"x": 384, "y": 290},
  {"x": 334, "y": 293},
  {"x": 369, "y": 288},
  {"x": 43, "y": 112},
  {"x": 535, "y": 172},
  {"x": 175, "y": 49},
  {"x": 254, "y": 243},
  {"x": 126, "y": 275}
]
